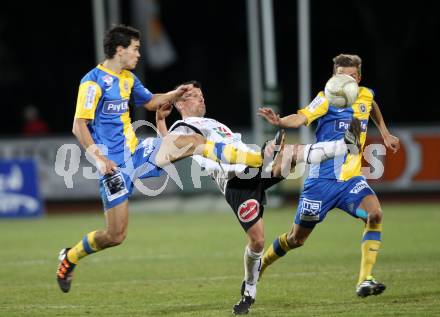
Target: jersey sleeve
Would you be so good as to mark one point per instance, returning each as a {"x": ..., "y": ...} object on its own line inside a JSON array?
[
  {"x": 141, "y": 95},
  {"x": 88, "y": 98},
  {"x": 316, "y": 109}
]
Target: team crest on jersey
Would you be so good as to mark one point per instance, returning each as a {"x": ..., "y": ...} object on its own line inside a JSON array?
[
  {"x": 363, "y": 107},
  {"x": 108, "y": 80},
  {"x": 248, "y": 210}
]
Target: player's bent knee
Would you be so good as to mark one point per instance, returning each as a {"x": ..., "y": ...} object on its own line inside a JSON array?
[
  {"x": 257, "y": 245},
  {"x": 116, "y": 239},
  {"x": 294, "y": 242},
  {"x": 375, "y": 216}
]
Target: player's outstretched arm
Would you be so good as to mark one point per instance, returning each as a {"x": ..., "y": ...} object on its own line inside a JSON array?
[
  {"x": 290, "y": 121},
  {"x": 178, "y": 94},
  {"x": 390, "y": 141}
]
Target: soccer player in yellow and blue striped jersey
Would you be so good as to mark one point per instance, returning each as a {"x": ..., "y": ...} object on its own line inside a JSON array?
[
  {"x": 337, "y": 183},
  {"x": 103, "y": 127}
]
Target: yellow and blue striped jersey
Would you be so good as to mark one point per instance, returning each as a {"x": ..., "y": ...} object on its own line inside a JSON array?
[
  {"x": 103, "y": 98},
  {"x": 332, "y": 123}
]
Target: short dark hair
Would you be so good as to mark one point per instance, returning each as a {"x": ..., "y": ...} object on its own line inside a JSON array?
[
  {"x": 195, "y": 83},
  {"x": 119, "y": 35},
  {"x": 347, "y": 60}
]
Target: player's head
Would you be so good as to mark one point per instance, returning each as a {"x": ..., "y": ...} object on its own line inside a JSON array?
[
  {"x": 121, "y": 42},
  {"x": 349, "y": 65},
  {"x": 194, "y": 104}
]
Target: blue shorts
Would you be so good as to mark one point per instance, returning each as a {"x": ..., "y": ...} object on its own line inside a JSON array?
[
  {"x": 117, "y": 188},
  {"x": 320, "y": 195}
]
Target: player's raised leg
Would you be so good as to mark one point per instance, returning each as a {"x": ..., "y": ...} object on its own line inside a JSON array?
[
  {"x": 291, "y": 154},
  {"x": 176, "y": 147},
  {"x": 114, "y": 234},
  {"x": 371, "y": 242}
]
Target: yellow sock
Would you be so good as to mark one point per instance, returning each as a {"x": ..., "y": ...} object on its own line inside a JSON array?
[
  {"x": 83, "y": 248},
  {"x": 227, "y": 153},
  {"x": 370, "y": 247},
  {"x": 277, "y": 249}
]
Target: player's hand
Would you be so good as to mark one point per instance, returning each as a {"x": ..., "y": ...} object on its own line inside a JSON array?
[
  {"x": 182, "y": 92},
  {"x": 270, "y": 116},
  {"x": 391, "y": 142},
  {"x": 163, "y": 111},
  {"x": 105, "y": 166}
]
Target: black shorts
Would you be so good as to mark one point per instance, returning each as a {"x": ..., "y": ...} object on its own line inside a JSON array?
[{"x": 247, "y": 198}]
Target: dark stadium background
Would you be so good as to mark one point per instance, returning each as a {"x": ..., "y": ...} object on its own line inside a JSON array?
[{"x": 45, "y": 49}]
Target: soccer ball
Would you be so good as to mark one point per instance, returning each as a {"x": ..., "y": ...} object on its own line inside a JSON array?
[{"x": 341, "y": 90}]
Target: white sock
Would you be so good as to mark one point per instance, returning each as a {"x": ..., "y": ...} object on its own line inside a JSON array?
[
  {"x": 250, "y": 290},
  {"x": 322, "y": 151},
  {"x": 252, "y": 264}
]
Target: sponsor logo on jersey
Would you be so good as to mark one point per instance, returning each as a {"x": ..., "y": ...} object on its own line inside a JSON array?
[
  {"x": 343, "y": 124},
  {"x": 90, "y": 97},
  {"x": 224, "y": 132},
  {"x": 248, "y": 210},
  {"x": 358, "y": 187},
  {"x": 310, "y": 209},
  {"x": 115, "y": 106}
]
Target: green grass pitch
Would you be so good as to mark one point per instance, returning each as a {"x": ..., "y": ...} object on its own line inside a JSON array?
[{"x": 190, "y": 264}]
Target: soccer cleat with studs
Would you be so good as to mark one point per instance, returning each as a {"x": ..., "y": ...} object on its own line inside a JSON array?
[
  {"x": 65, "y": 271},
  {"x": 245, "y": 303},
  {"x": 369, "y": 287}
]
